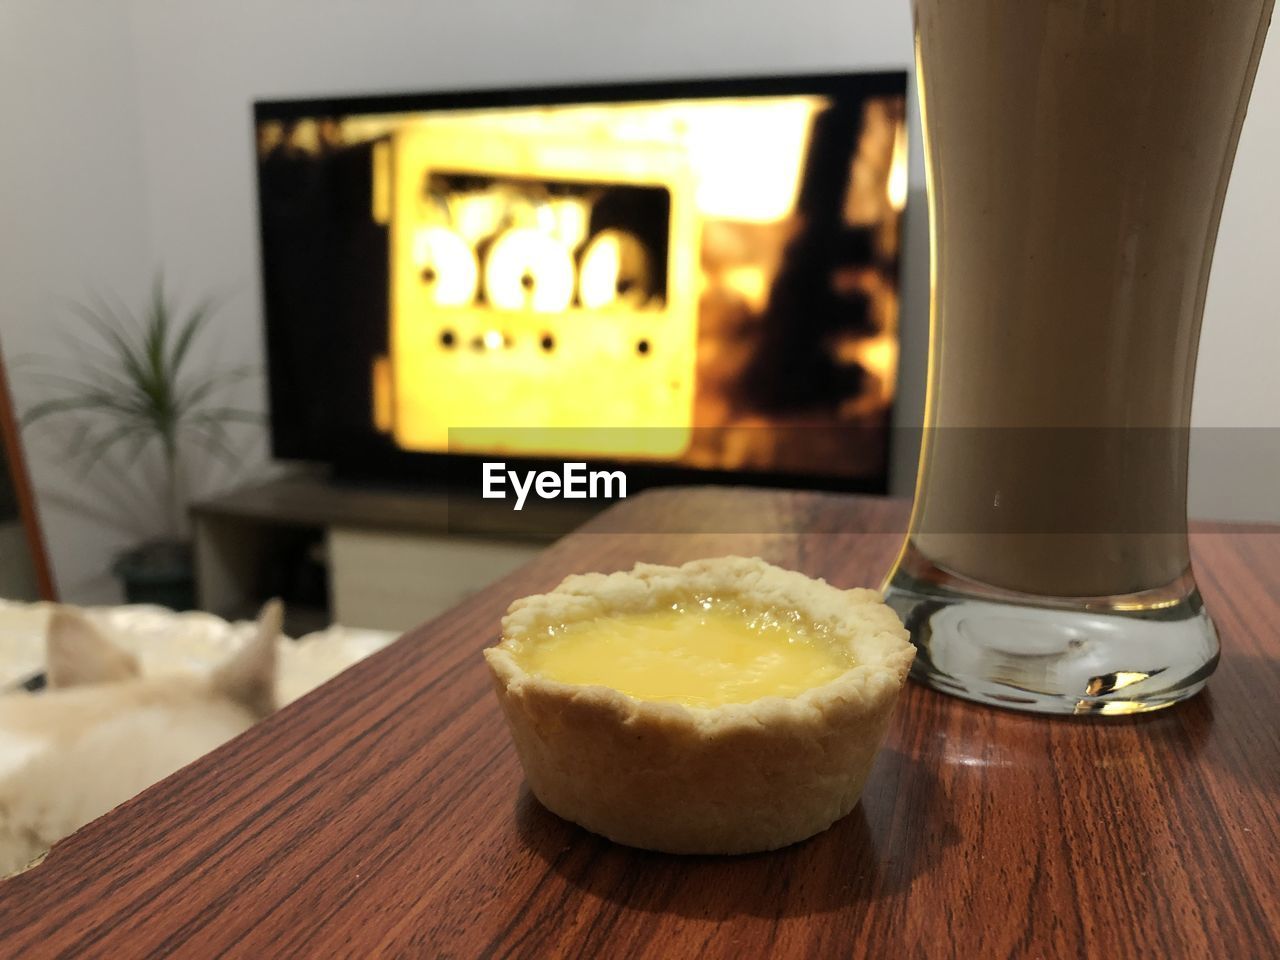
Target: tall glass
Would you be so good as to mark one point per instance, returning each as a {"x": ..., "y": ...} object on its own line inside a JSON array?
[{"x": 1078, "y": 153}]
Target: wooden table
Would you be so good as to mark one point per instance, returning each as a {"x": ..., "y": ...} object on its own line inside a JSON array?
[{"x": 385, "y": 815}]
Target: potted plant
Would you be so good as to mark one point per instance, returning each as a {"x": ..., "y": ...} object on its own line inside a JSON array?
[{"x": 135, "y": 389}]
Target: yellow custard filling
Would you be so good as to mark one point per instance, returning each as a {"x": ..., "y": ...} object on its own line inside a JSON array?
[{"x": 701, "y": 654}]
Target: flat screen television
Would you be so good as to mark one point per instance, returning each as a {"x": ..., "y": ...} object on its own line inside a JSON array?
[{"x": 698, "y": 279}]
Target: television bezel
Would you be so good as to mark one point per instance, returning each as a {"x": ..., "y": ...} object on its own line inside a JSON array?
[{"x": 457, "y": 470}]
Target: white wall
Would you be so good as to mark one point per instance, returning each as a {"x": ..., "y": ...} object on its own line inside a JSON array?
[
  {"x": 1235, "y": 465},
  {"x": 158, "y": 95},
  {"x": 199, "y": 67},
  {"x": 73, "y": 219}
]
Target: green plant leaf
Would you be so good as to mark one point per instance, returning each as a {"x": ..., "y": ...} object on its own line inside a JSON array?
[
  {"x": 106, "y": 326},
  {"x": 101, "y": 370},
  {"x": 92, "y": 455},
  {"x": 217, "y": 444},
  {"x": 213, "y": 383},
  {"x": 130, "y": 378},
  {"x": 190, "y": 329},
  {"x": 77, "y": 385},
  {"x": 87, "y": 399},
  {"x": 48, "y": 408},
  {"x": 115, "y": 323},
  {"x": 227, "y": 415}
]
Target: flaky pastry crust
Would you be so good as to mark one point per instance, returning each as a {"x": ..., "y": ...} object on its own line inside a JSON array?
[{"x": 731, "y": 779}]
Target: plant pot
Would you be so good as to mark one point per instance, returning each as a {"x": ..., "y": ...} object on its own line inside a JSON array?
[{"x": 160, "y": 572}]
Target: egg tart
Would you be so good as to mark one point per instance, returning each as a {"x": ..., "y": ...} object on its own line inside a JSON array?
[{"x": 724, "y": 706}]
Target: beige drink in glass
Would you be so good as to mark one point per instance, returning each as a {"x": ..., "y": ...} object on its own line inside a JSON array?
[{"x": 1078, "y": 154}]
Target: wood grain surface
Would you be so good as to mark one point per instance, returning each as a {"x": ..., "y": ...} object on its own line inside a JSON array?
[{"x": 385, "y": 814}]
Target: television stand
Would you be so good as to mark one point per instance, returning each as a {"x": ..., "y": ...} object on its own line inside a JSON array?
[{"x": 361, "y": 555}]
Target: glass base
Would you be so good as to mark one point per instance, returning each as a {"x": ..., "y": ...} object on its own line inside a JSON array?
[{"x": 1052, "y": 657}]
